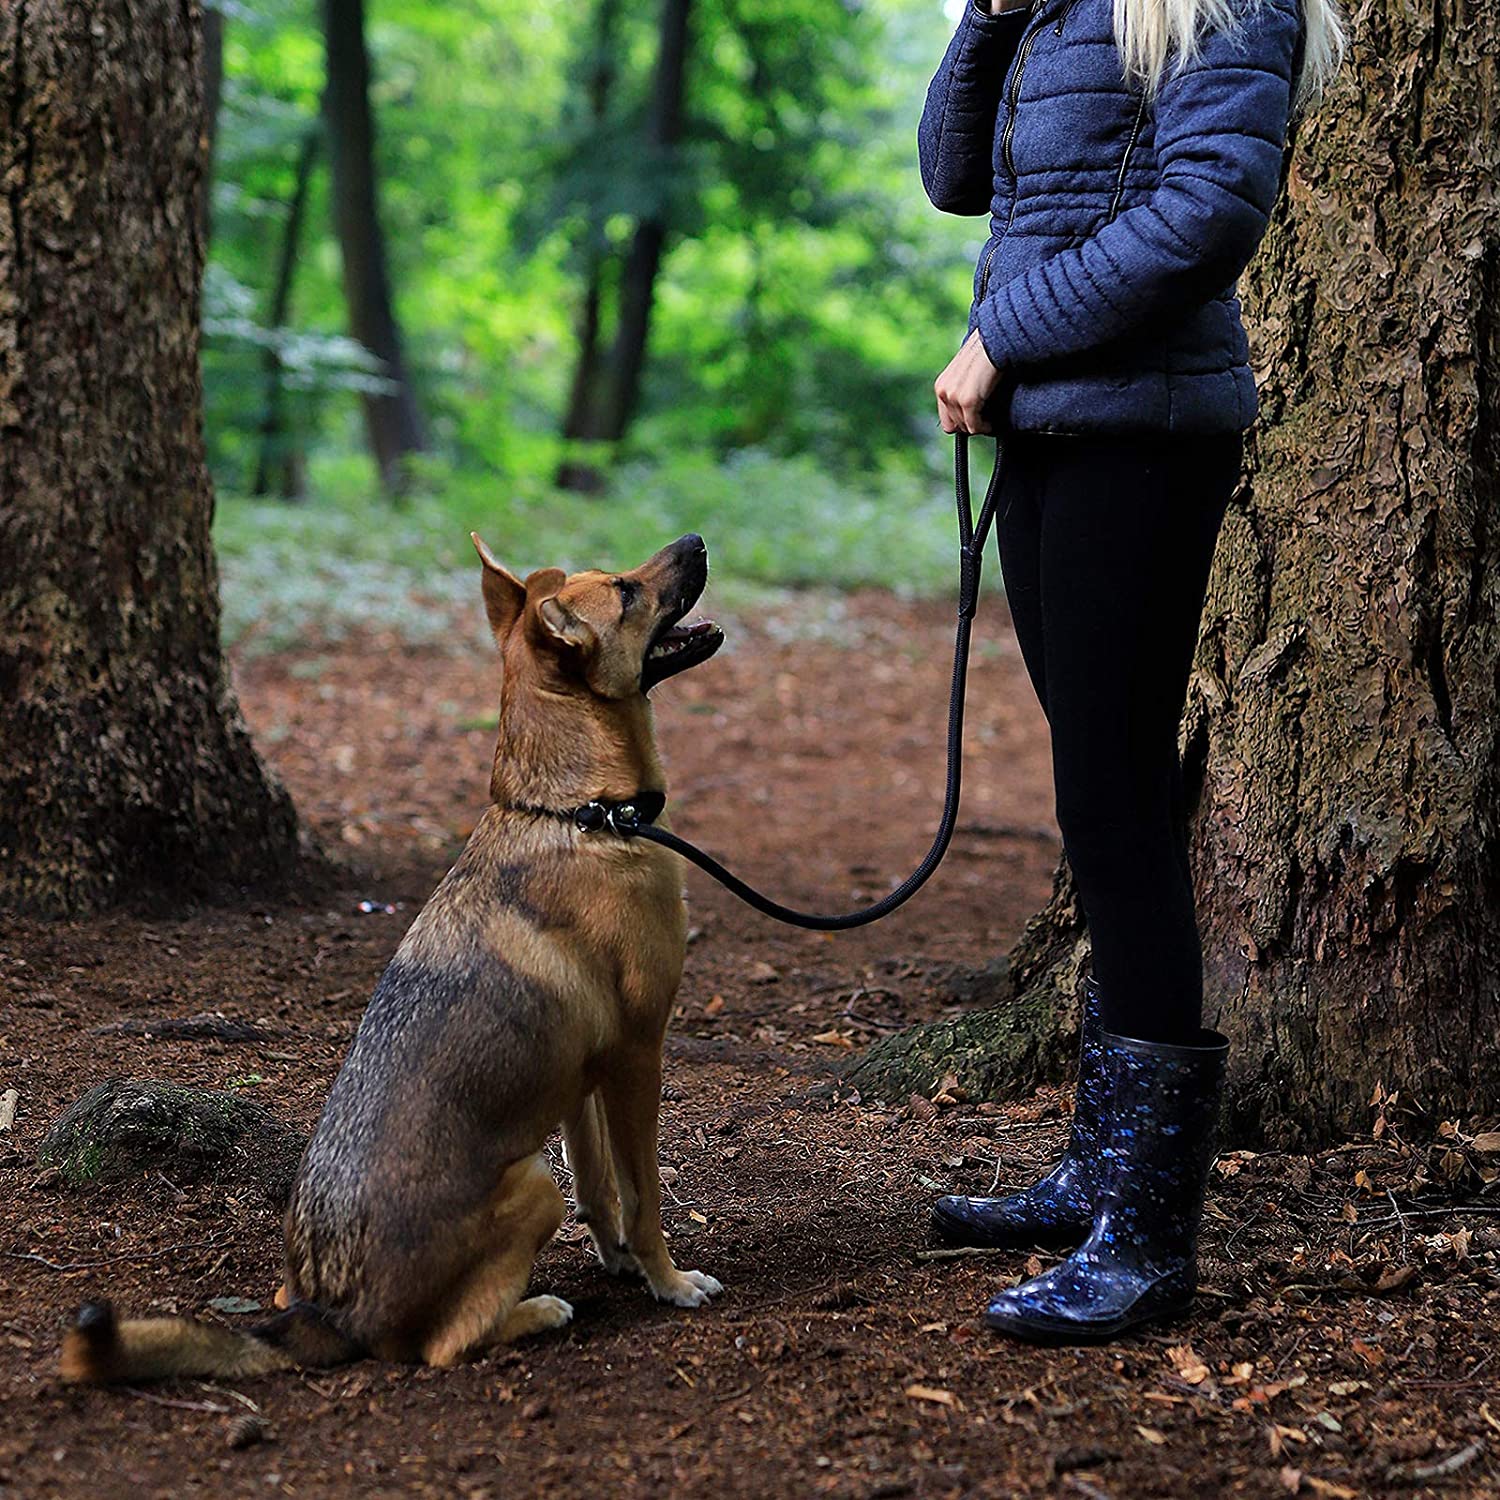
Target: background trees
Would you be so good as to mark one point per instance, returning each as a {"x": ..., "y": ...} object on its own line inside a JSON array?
[{"x": 665, "y": 221}]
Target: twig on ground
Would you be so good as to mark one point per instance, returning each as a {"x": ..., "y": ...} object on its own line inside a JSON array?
[
  {"x": 1418, "y": 1473},
  {"x": 1286, "y": 1358},
  {"x": 114, "y": 1260},
  {"x": 155, "y": 1400},
  {"x": 958, "y": 1252}
]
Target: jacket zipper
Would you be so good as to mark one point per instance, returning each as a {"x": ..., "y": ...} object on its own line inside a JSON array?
[
  {"x": 1135, "y": 134},
  {"x": 1017, "y": 73},
  {"x": 984, "y": 275}
]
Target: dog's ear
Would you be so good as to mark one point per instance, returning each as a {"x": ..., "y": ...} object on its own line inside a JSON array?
[
  {"x": 557, "y": 619},
  {"x": 504, "y": 593},
  {"x": 563, "y": 625}
]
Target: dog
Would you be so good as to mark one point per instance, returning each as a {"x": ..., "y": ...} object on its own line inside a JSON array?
[{"x": 532, "y": 991}]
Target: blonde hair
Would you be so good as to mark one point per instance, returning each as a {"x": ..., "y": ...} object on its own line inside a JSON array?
[{"x": 1156, "y": 35}]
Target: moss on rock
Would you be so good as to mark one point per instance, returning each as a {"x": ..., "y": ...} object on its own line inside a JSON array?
[{"x": 126, "y": 1126}]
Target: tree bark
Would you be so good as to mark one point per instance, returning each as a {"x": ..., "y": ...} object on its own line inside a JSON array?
[
  {"x": 126, "y": 762},
  {"x": 279, "y": 465},
  {"x": 213, "y": 89},
  {"x": 1343, "y": 728},
  {"x": 392, "y": 418}
]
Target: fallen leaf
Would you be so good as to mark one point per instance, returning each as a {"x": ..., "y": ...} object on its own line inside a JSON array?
[
  {"x": 1328, "y": 1487},
  {"x": 932, "y": 1393},
  {"x": 714, "y": 1006},
  {"x": 760, "y": 972},
  {"x": 1487, "y": 1143},
  {"x": 1151, "y": 1434},
  {"x": 1291, "y": 1479},
  {"x": 1393, "y": 1278},
  {"x": 1187, "y": 1364},
  {"x": 832, "y": 1039}
]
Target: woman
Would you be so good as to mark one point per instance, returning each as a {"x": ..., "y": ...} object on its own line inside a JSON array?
[{"x": 1128, "y": 153}]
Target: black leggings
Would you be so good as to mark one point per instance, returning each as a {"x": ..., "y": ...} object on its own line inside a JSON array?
[{"x": 1105, "y": 545}]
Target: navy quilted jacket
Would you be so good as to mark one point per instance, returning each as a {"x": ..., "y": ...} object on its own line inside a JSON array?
[{"x": 1118, "y": 224}]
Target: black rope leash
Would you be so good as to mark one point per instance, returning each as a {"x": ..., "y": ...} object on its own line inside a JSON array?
[{"x": 630, "y": 820}]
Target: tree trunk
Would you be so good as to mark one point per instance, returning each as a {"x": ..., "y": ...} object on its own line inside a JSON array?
[
  {"x": 638, "y": 279},
  {"x": 572, "y": 473},
  {"x": 1343, "y": 729},
  {"x": 616, "y": 396},
  {"x": 213, "y": 89},
  {"x": 392, "y": 419},
  {"x": 126, "y": 762},
  {"x": 279, "y": 466}
]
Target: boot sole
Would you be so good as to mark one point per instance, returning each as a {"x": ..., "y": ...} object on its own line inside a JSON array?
[{"x": 1062, "y": 1335}]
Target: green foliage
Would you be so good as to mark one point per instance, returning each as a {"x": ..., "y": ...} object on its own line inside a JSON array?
[
  {"x": 298, "y": 572},
  {"x": 807, "y": 298}
]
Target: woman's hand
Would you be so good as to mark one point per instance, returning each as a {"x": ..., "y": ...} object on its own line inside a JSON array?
[{"x": 964, "y": 387}]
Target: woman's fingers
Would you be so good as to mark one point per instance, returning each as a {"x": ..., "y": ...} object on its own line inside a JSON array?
[
  {"x": 964, "y": 387},
  {"x": 973, "y": 416},
  {"x": 948, "y": 417}
]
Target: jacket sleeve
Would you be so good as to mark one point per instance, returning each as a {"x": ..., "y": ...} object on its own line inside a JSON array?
[
  {"x": 956, "y": 139},
  {"x": 1220, "y": 131}
]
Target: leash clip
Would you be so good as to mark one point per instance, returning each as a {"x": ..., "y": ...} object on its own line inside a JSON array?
[
  {"x": 624, "y": 818},
  {"x": 591, "y": 817}
]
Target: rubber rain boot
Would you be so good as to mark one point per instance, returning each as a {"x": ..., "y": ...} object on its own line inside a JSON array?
[
  {"x": 1139, "y": 1263},
  {"x": 1059, "y": 1209}
]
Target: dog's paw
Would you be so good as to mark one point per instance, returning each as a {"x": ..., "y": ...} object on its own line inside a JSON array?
[
  {"x": 689, "y": 1289},
  {"x": 551, "y": 1312}
]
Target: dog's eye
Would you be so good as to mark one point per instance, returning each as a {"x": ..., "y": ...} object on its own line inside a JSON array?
[{"x": 629, "y": 589}]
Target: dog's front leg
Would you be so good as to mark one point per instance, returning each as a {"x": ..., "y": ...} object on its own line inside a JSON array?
[
  {"x": 586, "y": 1140},
  {"x": 632, "y": 1104}
]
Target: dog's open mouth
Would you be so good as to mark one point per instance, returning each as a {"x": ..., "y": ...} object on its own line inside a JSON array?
[{"x": 678, "y": 647}]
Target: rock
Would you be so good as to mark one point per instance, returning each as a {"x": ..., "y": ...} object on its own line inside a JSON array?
[{"x": 126, "y": 1126}]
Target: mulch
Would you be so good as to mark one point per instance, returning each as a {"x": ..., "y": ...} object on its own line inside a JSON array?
[{"x": 1344, "y": 1344}]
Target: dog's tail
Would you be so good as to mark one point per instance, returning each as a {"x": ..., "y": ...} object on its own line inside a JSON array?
[{"x": 101, "y": 1350}]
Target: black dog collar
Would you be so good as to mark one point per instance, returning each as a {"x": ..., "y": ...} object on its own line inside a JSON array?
[{"x": 622, "y": 816}]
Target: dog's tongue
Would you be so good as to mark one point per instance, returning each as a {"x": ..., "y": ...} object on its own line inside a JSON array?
[{"x": 679, "y": 636}]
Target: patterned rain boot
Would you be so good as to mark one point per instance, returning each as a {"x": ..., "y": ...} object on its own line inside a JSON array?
[
  {"x": 1059, "y": 1209},
  {"x": 1140, "y": 1262}
]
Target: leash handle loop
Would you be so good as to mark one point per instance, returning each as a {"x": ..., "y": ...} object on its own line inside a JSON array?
[{"x": 972, "y": 535}]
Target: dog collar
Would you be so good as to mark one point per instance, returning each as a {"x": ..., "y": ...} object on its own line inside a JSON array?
[{"x": 619, "y": 815}]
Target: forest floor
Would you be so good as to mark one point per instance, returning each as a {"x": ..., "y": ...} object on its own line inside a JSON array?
[{"x": 1345, "y": 1343}]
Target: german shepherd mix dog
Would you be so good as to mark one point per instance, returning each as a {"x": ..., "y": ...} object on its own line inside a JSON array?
[{"x": 532, "y": 991}]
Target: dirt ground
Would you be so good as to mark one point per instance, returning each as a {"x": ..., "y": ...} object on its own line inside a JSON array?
[{"x": 1344, "y": 1345}]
